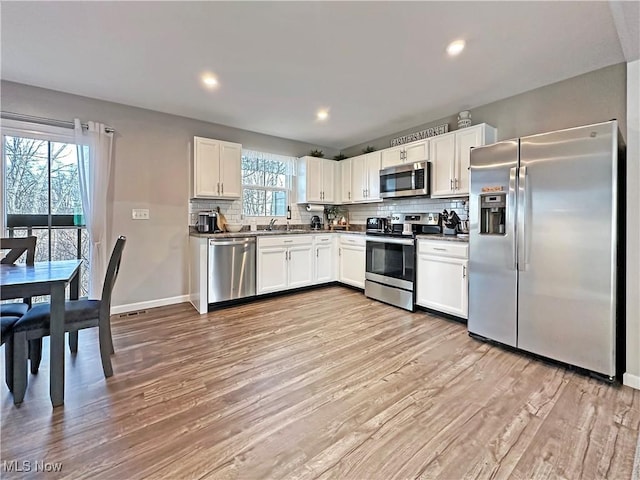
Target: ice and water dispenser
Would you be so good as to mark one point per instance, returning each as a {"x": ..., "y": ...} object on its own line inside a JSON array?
[{"x": 493, "y": 209}]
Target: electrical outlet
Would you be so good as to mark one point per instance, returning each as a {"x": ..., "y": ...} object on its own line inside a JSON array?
[{"x": 140, "y": 214}]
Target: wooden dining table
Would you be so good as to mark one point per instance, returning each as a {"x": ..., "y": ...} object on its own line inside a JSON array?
[{"x": 46, "y": 278}]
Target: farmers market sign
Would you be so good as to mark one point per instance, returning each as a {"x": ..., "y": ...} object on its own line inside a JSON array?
[{"x": 421, "y": 135}]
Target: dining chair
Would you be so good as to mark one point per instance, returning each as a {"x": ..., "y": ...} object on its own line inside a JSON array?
[
  {"x": 17, "y": 246},
  {"x": 79, "y": 314}
]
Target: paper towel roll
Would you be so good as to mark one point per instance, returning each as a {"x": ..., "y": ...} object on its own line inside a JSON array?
[{"x": 315, "y": 208}]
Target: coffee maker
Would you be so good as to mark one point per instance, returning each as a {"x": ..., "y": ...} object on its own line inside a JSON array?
[
  {"x": 203, "y": 223},
  {"x": 316, "y": 223},
  {"x": 207, "y": 222}
]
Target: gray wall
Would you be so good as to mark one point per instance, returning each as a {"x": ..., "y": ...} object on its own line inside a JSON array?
[
  {"x": 594, "y": 97},
  {"x": 151, "y": 170}
]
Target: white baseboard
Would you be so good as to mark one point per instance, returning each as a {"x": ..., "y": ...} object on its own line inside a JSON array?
[
  {"x": 161, "y": 302},
  {"x": 632, "y": 381}
]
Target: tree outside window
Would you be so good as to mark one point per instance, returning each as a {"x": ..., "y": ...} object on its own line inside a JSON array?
[
  {"x": 42, "y": 198},
  {"x": 265, "y": 183}
]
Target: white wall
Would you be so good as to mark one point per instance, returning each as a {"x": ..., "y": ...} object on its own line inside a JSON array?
[{"x": 632, "y": 375}]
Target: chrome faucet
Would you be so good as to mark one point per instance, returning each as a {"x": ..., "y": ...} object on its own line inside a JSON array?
[{"x": 272, "y": 223}]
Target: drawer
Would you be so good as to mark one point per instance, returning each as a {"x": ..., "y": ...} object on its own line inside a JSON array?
[
  {"x": 285, "y": 240},
  {"x": 322, "y": 239},
  {"x": 444, "y": 249},
  {"x": 352, "y": 240}
]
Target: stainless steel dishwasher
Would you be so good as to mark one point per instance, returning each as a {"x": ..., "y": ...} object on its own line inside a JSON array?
[{"x": 232, "y": 268}]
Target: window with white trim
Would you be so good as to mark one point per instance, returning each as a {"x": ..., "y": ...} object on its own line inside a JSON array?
[
  {"x": 266, "y": 183},
  {"x": 41, "y": 192}
]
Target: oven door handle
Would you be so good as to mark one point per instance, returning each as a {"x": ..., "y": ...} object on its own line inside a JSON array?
[{"x": 396, "y": 241}]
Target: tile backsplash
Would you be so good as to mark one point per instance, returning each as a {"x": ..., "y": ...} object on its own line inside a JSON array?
[
  {"x": 358, "y": 213},
  {"x": 232, "y": 210}
]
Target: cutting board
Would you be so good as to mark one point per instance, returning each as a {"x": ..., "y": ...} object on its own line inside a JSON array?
[{"x": 222, "y": 221}]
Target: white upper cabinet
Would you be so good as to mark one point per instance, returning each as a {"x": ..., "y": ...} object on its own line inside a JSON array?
[
  {"x": 449, "y": 156},
  {"x": 346, "y": 184},
  {"x": 365, "y": 177},
  {"x": 316, "y": 180},
  {"x": 373, "y": 172},
  {"x": 216, "y": 168},
  {"x": 392, "y": 156},
  {"x": 408, "y": 153},
  {"x": 442, "y": 157}
]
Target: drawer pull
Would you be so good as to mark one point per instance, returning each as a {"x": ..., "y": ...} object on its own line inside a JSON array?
[
  {"x": 440, "y": 249},
  {"x": 288, "y": 241}
]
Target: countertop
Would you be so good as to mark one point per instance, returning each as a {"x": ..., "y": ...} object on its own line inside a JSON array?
[
  {"x": 442, "y": 236},
  {"x": 260, "y": 233}
]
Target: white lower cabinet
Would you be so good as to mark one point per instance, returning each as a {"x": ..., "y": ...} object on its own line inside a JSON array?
[
  {"x": 351, "y": 260},
  {"x": 284, "y": 262},
  {"x": 442, "y": 279},
  {"x": 271, "y": 269},
  {"x": 324, "y": 249}
]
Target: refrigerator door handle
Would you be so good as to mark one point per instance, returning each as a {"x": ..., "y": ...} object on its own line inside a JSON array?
[
  {"x": 522, "y": 214},
  {"x": 511, "y": 215}
]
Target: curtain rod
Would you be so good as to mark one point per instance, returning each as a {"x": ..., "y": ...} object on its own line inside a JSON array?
[{"x": 45, "y": 121}]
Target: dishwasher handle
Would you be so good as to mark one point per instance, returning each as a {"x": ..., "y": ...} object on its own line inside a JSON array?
[{"x": 231, "y": 241}]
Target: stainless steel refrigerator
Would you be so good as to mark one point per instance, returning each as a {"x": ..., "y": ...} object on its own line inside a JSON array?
[{"x": 543, "y": 245}]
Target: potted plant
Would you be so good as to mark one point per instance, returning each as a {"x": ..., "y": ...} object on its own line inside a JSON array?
[
  {"x": 340, "y": 156},
  {"x": 332, "y": 211},
  {"x": 316, "y": 153},
  {"x": 369, "y": 149}
]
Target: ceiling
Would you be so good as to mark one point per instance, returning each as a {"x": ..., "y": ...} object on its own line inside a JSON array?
[{"x": 379, "y": 67}]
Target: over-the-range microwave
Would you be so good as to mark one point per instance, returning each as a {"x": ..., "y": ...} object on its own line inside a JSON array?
[{"x": 406, "y": 180}]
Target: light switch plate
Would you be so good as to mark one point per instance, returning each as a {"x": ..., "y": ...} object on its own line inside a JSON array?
[{"x": 140, "y": 214}]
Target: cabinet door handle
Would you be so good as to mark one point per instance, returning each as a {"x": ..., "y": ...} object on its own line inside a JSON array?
[
  {"x": 349, "y": 195},
  {"x": 222, "y": 188},
  {"x": 456, "y": 184},
  {"x": 317, "y": 254},
  {"x": 451, "y": 183},
  {"x": 218, "y": 188},
  {"x": 464, "y": 272},
  {"x": 286, "y": 255}
]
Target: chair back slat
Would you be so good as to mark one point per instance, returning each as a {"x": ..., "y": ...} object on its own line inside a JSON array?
[
  {"x": 112, "y": 272},
  {"x": 17, "y": 246}
]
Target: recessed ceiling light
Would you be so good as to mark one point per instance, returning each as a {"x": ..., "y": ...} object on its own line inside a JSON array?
[
  {"x": 455, "y": 48},
  {"x": 209, "y": 80},
  {"x": 323, "y": 114}
]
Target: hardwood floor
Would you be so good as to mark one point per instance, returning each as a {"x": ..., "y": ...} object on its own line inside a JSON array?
[{"x": 321, "y": 384}]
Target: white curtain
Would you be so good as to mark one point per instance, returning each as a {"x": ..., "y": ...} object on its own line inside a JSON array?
[{"x": 94, "y": 168}]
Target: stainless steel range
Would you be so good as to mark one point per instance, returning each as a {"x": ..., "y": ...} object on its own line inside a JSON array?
[{"x": 390, "y": 256}]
